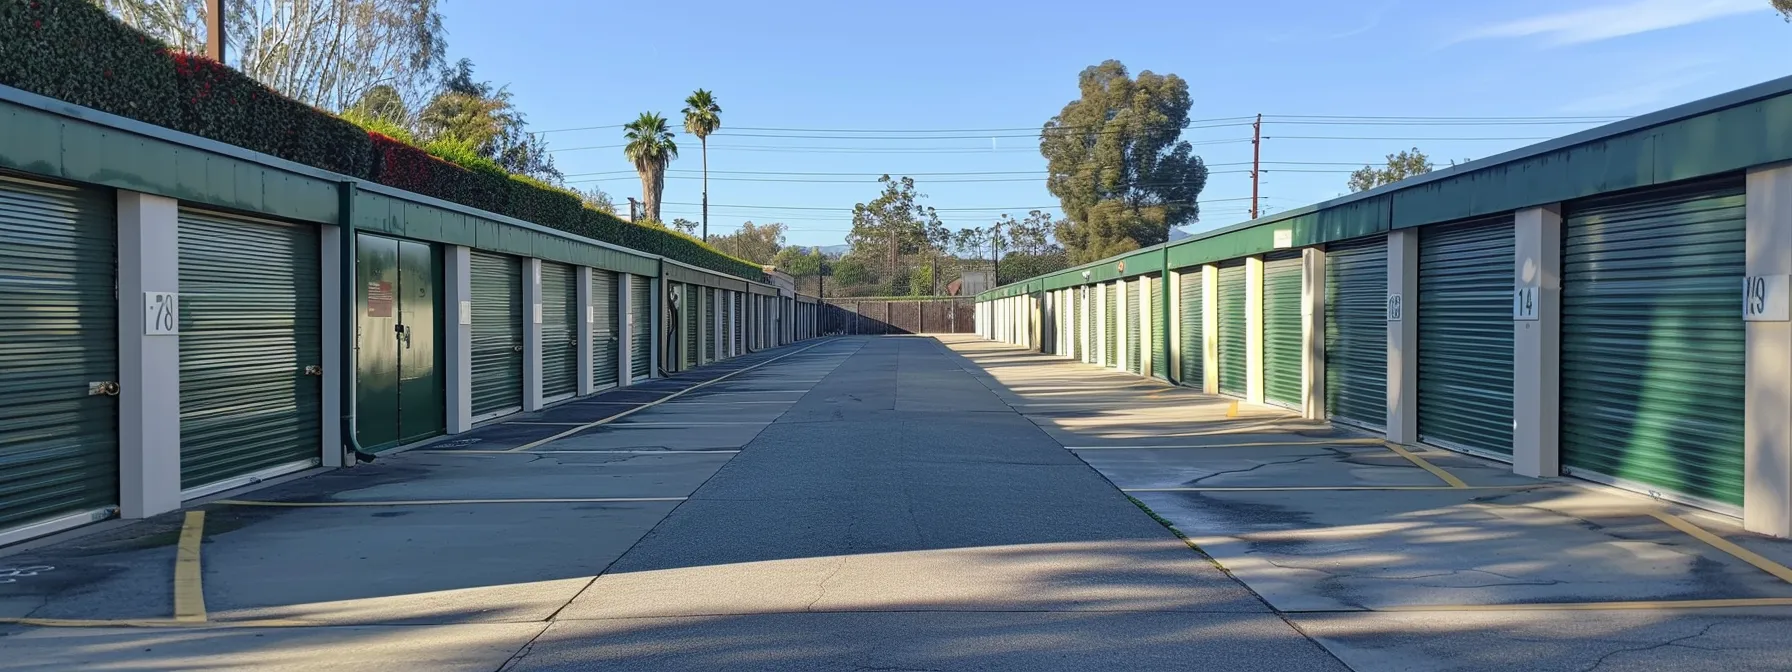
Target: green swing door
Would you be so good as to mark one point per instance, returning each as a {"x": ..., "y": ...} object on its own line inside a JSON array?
[{"x": 399, "y": 396}]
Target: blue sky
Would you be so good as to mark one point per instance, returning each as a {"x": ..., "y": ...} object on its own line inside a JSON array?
[{"x": 979, "y": 65}]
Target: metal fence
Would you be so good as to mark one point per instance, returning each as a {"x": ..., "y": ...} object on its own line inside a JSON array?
[{"x": 941, "y": 315}]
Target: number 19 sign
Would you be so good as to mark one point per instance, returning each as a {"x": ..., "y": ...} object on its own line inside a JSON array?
[{"x": 1764, "y": 298}]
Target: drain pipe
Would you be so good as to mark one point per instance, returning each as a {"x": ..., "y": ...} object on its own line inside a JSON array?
[{"x": 351, "y": 444}]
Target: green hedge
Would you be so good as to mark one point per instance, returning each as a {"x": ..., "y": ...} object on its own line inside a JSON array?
[{"x": 72, "y": 50}]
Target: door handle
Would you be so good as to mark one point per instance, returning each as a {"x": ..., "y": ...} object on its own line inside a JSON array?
[{"x": 517, "y": 348}]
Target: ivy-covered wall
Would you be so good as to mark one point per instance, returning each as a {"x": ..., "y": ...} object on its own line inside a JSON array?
[{"x": 72, "y": 50}]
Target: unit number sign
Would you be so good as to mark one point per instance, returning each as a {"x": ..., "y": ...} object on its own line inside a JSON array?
[
  {"x": 161, "y": 313},
  {"x": 1396, "y": 308},
  {"x": 1764, "y": 298},
  {"x": 1524, "y": 303}
]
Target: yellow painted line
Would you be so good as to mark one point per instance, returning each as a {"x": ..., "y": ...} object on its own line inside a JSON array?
[
  {"x": 449, "y": 502},
  {"x": 1447, "y": 477},
  {"x": 656, "y": 402},
  {"x": 1321, "y": 488},
  {"x": 1255, "y": 444},
  {"x": 1732, "y": 603},
  {"x": 1232, "y": 410},
  {"x": 574, "y": 452},
  {"x": 189, "y": 595},
  {"x": 1726, "y": 546}
]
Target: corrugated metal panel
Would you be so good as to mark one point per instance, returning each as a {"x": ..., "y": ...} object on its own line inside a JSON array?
[
  {"x": 709, "y": 323},
  {"x": 640, "y": 335},
  {"x": 1191, "y": 314},
  {"x": 559, "y": 330},
  {"x": 1091, "y": 294},
  {"x": 1134, "y": 305},
  {"x": 1231, "y": 328},
  {"x": 58, "y": 333},
  {"x": 497, "y": 284},
  {"x": 690, "y": 303},
  {"x": 1652, "y": 342},
  {"x": 606, "y": 338},
  {"x": 1160, "y": 330},
  {"x": 1465, "y": 334},
  {"x": 1281, "y": 329},
  {"x": 1113, "y": 319},
  {"x": 1073, "y": 346},
  {"x": 251, "y": 322},
  {"x": 1356, "y": 331}
]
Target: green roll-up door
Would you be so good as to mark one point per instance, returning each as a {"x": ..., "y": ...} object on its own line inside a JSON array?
[
  {"x": 640, "y": 328},
  {"x": 1356, "y": 331},
  {"x": 688, "y": 321},
  {"x": 1231, "y": 297},
  {"x": 1652, "y": 340},
  {"x": 709, "y": 323},
  {"x": 740, "y": 323},
  {"x": 251, "y": 347},
  {"x": 1134, "y": 305},
  {"x": 497, "y": 288},
  {"x": 1465, "y": 335},
  {"x": 1074, "y": 345},
  {"x": 606, "y": 337},
  {"x": 559, "y": 330},
  {"x": 1113, "y": 319},
  {"x": 1281, "y": 329},
  {"x": 1191, "y": 313},
  {"x": 1160, "y": 330},
  {"x": 1090, "y": 297},
  {"x": 58, "y": 335}
]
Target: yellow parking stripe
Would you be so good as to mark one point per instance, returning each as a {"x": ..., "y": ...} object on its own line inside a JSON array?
[
  {"x": 189, "y": 596},
  {"x": 1724, "y": 545},
  {"x": 1447, "y": 477},
  {"x": 1254, "y": 444},
  {"x": 1346, "y": 488}
]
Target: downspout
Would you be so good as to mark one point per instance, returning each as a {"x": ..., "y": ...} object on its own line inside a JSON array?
[{"x": 346, "y": 266}]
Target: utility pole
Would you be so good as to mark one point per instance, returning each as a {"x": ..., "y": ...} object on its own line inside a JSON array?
[
  {"x": 1256, "y": 162},
  {"x": 995, "y": 253},
  {"x": 935, "y": 289},
  {"x": 633, "y": 210},
  {"x": 214, "y": 30}
]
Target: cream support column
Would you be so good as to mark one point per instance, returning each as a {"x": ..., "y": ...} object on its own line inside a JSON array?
[
  {"x": 1210, "y": 329},
  {"x": 587, "y": 330},
  {"x": 1403, "y": 336},
  {"x": 1253, "y": 329},
  {"x": 1121, "y": 297},
  {"x": 1537, "y": 342},
  {"x": 532, "y": 398},
  {"x": 148, "y": 357},
  {"x": 1312, "y": 333},
  {"x": 457, "y": 271},
  {"x": 1173, "y": 322},
  {"x": 1767, "y": 420}
]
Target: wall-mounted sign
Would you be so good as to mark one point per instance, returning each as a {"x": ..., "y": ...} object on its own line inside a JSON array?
[
  {"x": 466, "y": 312},
  {"x": 1284, "y": 238},
  {"x": 161, "y": 313},
  {"x": 537, "y": 313},
  {"x": 379, "y": 299},
  {"x": 1764, "y": 298},
  {"x": 1121, "y": 266},
  {"x": 1524, "y": 303},
  {"x": 1396, "y": 308}
]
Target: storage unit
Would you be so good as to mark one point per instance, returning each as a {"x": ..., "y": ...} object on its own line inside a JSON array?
[
  {"x": 1074, "y": 346},
  {"x": 1191, "y": 313},
  {"x": 739, "y": 319},
  {"x": 58, "y": 335},
  {"x": 1465, "y": 335},
  {"x": 251, "y": 348},
  {"x": 1160, "y": 329},
  {"x": 1111, "y": 333},
  {"x": 1356, "y": 331},
  {"x": 559, "y": 331},
  {"x": 709, "y": 323},
  {"x": 497, "y": 297},
  {"x": 690, "y": 307},
  {"x": 640, "y": 327},
  {"x": 606, "y": 334},
  {"x": 1231, "y": 327},
  {"x": 1282, "y": 329},
  {"x": 400, "y": 395},
  {"x": 1134, "y": 314},
  {"x": 1091, "y": 312},
  {"x": 1652, "y": 339}
]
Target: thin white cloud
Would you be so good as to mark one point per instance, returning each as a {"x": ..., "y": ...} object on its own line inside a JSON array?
[{"x": 1605, "y": 22}]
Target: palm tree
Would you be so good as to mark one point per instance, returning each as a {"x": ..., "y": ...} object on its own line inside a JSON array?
[
  {"x": 650, "y": 147},
  {"x": 702, "y": 116}
]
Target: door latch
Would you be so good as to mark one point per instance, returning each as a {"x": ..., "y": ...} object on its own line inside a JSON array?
[
  {"x": 517, "y": 349},
  {"x": 102, "y": 389},
  {"x": 314, "y": 370}
]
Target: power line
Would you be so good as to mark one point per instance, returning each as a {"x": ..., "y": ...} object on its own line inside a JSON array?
[
  {"x": 1352, "y": 137},
  {"x": 899, "y": 173},
  {"x": 1324, "y": 118}
]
